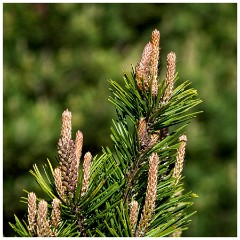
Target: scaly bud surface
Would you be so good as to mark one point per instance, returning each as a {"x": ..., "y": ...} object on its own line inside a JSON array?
[
  {"x": 56, "y": 213},
  {"x": 142, "y": 133},
  {"x": 59, "y": 184},
  {"x": 171, "y": 68},
  {"x": 133, "y": 215},
  {"x": 69, "y": 153},
  {"x": 180, "y": 158},
  {"x": 43, "y": 227},
  {"x": 66, "y": 130},
  {"x": 32, "y": 211},
  {"x": 147, "y": 68},
  {"x": 151, "y": 195},
  {"x": 154, "y": 61},
  {"x": 86, "y": 172},
  {"x": 144, "y": 67}
]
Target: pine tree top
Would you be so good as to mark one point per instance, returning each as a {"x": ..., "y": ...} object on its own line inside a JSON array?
[{"x": 134, "y": 188}]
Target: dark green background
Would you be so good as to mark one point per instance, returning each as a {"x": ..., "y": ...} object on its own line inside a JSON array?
[{"x": 59, "y": 56}]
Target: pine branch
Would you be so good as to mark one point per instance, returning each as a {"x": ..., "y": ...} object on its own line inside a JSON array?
[{"x": 135, "y": 189}]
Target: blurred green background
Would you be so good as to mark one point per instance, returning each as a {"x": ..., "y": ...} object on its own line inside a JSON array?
[{"x": 59, "y": 56}]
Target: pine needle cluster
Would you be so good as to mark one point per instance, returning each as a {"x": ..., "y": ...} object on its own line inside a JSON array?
[{"x": 134, "y": 188}]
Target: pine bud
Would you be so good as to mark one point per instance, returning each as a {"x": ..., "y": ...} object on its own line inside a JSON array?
[
  {"x": 142, "y": 133},
  {"x": 78, "y": 144},
  {"x": 133, "y": 215},
  {"x": 69, "y": 153},
  {"x": 32, "y": 211},
  {"x": 154, "y": 138},
  {"x": 180, "y": 158},
  {"x": 154, "y": 61},
  {"x": 143, "y": 68},
  {"x": 68, "y": 166},
  {"x": 147, "y": 69},
  {"x": 43, "y": 227},
  {"x": 78, "y": 153},
  {"x": 86, "y": 172},
  {"x": 56, "y": 213},
  {"x": 171, "y": 68},
  {"x": 151, "y": 195},
  {"x": 66, "y": 131},
  {"x": 59, "y": 184}
]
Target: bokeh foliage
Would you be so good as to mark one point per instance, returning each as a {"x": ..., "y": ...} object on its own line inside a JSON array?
[{"x": 59, "y": 56}]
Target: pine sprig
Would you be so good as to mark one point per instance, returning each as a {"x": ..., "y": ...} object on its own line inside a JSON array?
[
  {"x": 136, "y": 189},
  {"x": 45, "y": 183},
  {"x": 20, "y": 228}
]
